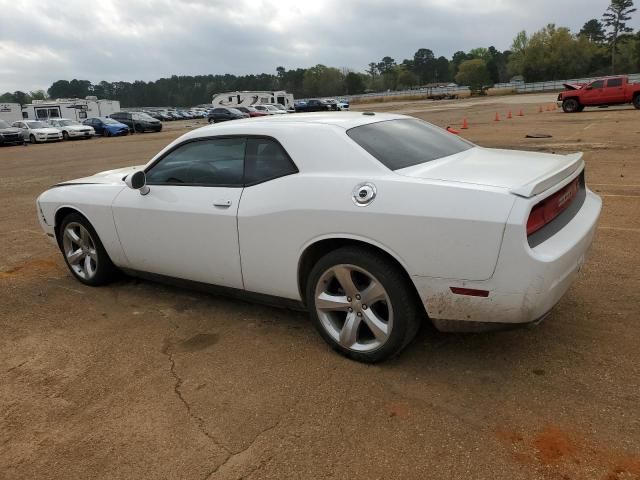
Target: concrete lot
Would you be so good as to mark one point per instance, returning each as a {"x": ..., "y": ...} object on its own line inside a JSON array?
[{"x": 138, "y": 380}]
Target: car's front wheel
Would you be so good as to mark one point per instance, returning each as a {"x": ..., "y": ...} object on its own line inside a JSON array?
[
  {"x": 636, "y": 101},
  {"x": 65, "y": 135},
  {"x": 570, "y": 105},
  {"x": 83, "y": 251},
  {"x": 362, "y": 304},
  {"x": 32, "y": 138}
]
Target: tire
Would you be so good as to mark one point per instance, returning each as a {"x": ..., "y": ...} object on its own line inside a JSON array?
[
  {"x": 636, "y": 101},
  {"x": 106, "y": 133},
  {"x": 65, "y": 135},
  {"x": 211, "y": 120},
  {"x": 580, "y": 108},
  {"x": 394, "y": 313},
  {"x": 83, "y": 251},
  {"x": 32, "y": 138},
  {"x": 570, "y": 105}
]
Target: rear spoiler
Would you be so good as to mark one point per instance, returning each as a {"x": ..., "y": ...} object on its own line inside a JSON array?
[
  {"x": 573, "y": 86},
  {"x": 539, "y": 185}
]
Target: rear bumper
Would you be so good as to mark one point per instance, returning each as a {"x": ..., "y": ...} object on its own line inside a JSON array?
[{"x": 527, "y": 282}]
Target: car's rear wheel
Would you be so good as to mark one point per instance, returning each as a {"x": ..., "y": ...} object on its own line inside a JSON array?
[
  {"x": 83, "y": 251},
  {"x": 636, "y": 101},
  {"x": 362, "y": 305},
  {"x": 570, "y": 105}
]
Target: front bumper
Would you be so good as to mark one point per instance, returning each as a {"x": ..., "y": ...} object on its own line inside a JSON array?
[
  {"x": 527, "y": 281},
  {"x": 79, "y": 134}
]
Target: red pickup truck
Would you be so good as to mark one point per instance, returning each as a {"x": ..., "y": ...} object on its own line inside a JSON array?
[{"x": 604, "y": 91}]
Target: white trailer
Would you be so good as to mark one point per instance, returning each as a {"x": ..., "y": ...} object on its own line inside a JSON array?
[
  {"x": 73, "y": 108},
  {"x": 247, "y": 99},
  {"x": 10, "y": 112}
]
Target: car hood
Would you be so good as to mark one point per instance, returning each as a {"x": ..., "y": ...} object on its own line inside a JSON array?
[
  {"x": 45, "y": 130},
  {"x": 522, "y": 173},
  {"x": 108, "y": 177},
  {"x": 78, "y": 128},
  {"x": 573, "y": 86},
  {"x": 114, "y": 125},
  {"x": 10, "y": 130}
]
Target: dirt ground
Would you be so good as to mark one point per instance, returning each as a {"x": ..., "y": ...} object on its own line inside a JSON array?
[{"x": 138, "y": 380}]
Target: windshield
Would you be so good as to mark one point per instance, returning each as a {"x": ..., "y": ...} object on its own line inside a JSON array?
[
  {"x": 280, "y": 107},
  {"x": 64, "y": 123},
  {"x": 404, "y": 143},
  {"x": 235, "y": 110},
  {"x": 109, "y": 121},
  {"x": 4, "y": 124},
  {"x": 271, "y": 107},
  {"x": 142, "y": 116},
  {"x": 33, "y": 124}
]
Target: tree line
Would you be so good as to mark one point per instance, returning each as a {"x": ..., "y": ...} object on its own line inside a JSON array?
[{"x": 601, "y": 47}]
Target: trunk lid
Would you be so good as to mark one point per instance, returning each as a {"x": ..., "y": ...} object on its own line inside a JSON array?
[{"x": 522, "y": 173}]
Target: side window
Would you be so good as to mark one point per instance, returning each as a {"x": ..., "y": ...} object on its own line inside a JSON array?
[
  {"x": 213, "y": 163},
  {"x": 266, "y": 160},
  {"x": 614, "y": 82},
  {"x": 597, "y": 84}
]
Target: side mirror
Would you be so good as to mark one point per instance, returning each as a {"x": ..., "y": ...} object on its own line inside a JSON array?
[{"x": 137, "y": 181}]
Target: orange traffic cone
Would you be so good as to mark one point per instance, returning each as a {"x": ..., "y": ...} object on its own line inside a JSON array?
[
  {"x": 540, "y": 109},
  {"x": 465, "y": 124},
  {"x": 453, "y": 130},
  {"x": 509, "y": 116},
  {"x": 520, "y": 114},
  {"x": 497, "y": 119}
]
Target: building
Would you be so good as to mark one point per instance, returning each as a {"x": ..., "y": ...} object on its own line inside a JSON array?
[
  {"x": 10, "y": 112},
  {"x": 247, "y": 99},
  {"x": 73, "y": 108}
]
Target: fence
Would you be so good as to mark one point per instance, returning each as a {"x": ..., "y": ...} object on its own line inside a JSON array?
[{"x": 520, "y": 87}]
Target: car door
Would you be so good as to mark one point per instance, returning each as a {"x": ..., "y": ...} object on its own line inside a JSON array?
[
  {"x": 614, "y": 91},
  {"x": 594, "y": 93},
  {"x": 186, "y": 226}
]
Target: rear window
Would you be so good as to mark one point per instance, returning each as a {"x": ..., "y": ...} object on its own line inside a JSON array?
[{"x": 403, "y": 143}]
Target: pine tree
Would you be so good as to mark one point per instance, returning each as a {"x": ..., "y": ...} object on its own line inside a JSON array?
[{"x": 615, "y": 18}]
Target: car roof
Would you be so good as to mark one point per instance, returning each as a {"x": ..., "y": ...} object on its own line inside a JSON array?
[{"x": 262, "y": 125}]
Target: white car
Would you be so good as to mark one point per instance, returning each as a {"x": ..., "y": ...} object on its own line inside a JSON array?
[
  {"x": 72, "y": 129},
  {"x": 37, "y": 131},
  {"x": 270, "y": 109},
  {"x": 373, "y": 222}
]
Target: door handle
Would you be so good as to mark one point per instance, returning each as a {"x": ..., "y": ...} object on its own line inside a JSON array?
[{"x": 222, "y": 203}]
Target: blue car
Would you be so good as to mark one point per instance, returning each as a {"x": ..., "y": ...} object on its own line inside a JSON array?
[{"x": 107, "y": 127}]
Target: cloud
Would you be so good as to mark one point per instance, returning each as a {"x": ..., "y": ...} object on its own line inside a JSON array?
[{"x": 40, "y": 42}]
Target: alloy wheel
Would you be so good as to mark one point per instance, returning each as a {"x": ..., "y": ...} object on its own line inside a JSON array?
[
  {"x": 354, "y": 308},
  {"x": 80, "y": 250}
]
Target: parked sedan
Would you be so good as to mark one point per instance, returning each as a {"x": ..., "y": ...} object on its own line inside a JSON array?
[
  {"x": 138, "y": 121},
  {"x": 374, "y": 223},
  {"x": 37, "y": 131},
  {"x": 107, "y": 127},
  {"x": 10, "y": 135},
  {"x": 72, "y": 129},
  {"x": 223, "y": 114}
]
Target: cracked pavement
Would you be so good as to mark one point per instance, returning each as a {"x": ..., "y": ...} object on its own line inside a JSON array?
[{"x": 146, "y": 381}]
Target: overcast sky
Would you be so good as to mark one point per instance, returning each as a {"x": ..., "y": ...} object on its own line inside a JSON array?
[{"x": 43, "y": 41}]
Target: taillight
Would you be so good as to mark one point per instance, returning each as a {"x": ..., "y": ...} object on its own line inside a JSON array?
[{"x": 548, "y": 209}]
